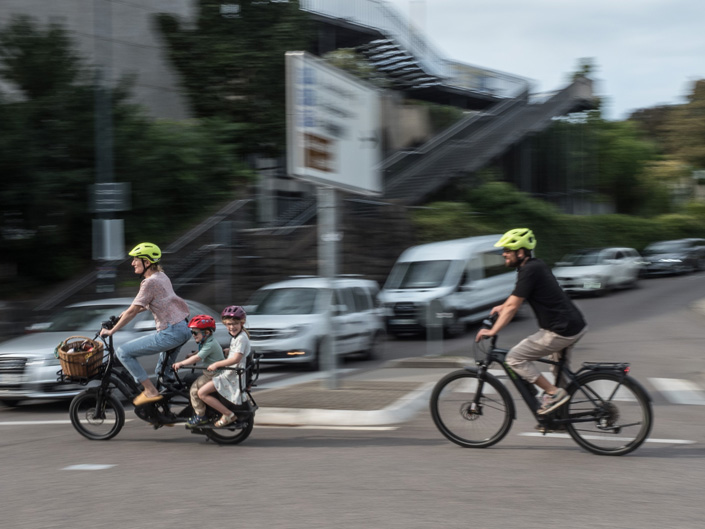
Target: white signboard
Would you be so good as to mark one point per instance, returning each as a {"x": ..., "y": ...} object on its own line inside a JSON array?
[{"x": 333, "y": 126}]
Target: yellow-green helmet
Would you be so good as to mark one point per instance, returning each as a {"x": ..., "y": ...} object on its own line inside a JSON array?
[
  {"x": 147, "y": 250},
  {"x": 517, "y": 238}
]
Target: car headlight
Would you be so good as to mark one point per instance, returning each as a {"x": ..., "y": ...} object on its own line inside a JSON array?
[
  {"x": 293, "y": 331},
  {"x": 670, "y": 260},
  {"x": 46, "y": 361}
]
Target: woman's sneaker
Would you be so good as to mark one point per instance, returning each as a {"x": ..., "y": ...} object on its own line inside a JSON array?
[
  {"x": 197, "y": 420},
  {"x": 553, "y": 402}
]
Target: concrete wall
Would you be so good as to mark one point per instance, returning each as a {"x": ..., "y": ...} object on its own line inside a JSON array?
[{"x": 128, "y": 40}]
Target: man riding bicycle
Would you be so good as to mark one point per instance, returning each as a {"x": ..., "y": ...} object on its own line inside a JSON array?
[{"x": 561, "y": 324}]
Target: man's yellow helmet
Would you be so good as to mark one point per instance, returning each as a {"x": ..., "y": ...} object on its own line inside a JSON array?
[{"x": 517, "y": 238}]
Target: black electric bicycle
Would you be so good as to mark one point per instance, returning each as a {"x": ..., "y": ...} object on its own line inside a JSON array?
[
  {"x": 97, "y": 412},
  {"x": 609, "y": 412}
]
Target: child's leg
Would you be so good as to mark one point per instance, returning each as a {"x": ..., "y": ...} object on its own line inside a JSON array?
[
  {"x": 205, "y": 393},
  {"x": 199, "y": 407}
]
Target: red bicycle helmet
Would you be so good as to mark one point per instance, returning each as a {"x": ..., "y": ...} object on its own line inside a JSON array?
[
  {"x": 234, "y": 311},
  {"x": 202, "y": 322}
]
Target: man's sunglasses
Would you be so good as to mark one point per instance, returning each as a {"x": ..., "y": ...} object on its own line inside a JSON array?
[{"x": 195, "y": 333}]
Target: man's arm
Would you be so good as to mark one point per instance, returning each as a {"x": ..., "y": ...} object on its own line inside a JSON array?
[{"x": 506, "y": 311}]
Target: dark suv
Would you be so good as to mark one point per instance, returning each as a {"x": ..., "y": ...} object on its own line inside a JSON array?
[{"x": 679, "y": 256}]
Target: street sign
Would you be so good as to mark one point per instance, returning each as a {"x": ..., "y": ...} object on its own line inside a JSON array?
[
  {"x": 333, "y": 126},
  {"x": 109, "y": 197}
]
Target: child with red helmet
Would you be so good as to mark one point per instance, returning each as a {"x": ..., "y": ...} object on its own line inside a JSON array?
[
  {"x": 227, "y": 383},
  {"x": 209, "y": 351}
]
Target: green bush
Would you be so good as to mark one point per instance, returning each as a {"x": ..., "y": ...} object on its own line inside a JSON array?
[{"x": 496, "y": 207}]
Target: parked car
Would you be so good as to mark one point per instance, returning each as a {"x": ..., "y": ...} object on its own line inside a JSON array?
[
  {"x": 679, "y": 256},
  {"x": 445, "y": 283},
  {"x": 288, "y": 320},
  {"x": 28, "y": 367},
  {"x": 597, "y": 270}
]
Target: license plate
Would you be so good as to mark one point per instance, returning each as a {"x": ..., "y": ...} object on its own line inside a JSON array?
[
  {"x": 403, "y": 322},
  {"x": 592, "y": 285},
  {"x": 7, "y": 379}
]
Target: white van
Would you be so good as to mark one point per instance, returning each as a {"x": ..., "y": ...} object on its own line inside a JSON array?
[{"x": 448, "y": 283}]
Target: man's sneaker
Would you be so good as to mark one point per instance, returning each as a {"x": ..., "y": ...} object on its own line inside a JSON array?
[
  {"x": 553, "y": 402},
  {"x": 545, "y": 428}
]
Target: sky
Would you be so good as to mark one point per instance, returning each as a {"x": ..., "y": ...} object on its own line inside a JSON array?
[{"x": 646, "y": 52}]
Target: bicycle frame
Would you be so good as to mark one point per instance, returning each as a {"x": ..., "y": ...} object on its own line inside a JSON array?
[{"x": 529, "y": 392}]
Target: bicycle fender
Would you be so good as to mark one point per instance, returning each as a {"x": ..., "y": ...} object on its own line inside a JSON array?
[{"x": 510, "y": 401}]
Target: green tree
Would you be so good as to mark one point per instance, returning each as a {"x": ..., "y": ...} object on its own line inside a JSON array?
[
  {"x": 233, "y": 67},
  {"x": 47, "y": 158},
  {"x": 686, "y": 128}
]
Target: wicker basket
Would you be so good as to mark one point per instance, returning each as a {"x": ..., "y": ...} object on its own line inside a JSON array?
[{"x": 80, "y": 357}]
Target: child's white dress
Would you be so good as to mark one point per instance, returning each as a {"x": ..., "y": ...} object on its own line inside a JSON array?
[{"x": 227, "y": 383}]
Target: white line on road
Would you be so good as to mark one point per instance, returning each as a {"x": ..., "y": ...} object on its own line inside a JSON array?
[
  {"x": 88, "y": 467},
  {"x": 679, "y": 391},
  {"x": 598, "y": 438},
  {"x": 360, "y": 428}
]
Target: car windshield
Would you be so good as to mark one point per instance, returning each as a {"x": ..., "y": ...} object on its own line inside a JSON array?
[
  {"x": 587, "y": 258},
  {"x": 285, "y": 301},
  {"x": 86, "y": 318},
  {"x": 418, "y": 274},
  {"x": 664, "y": 247}
]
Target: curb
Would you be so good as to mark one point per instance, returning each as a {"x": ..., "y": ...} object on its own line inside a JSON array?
[{"x": 400, "y": 411}]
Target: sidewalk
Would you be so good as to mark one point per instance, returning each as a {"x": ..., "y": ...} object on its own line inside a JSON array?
[{"x": 389, "y": 395}]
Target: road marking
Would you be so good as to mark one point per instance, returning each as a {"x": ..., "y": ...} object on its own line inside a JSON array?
[
  {"x": 307, "y": 427},
  {"x": 300, "y": 379},
  {"x": 88, "y": 467},
  {"x": 41, "y": 423},
  {"x": 679, "y": 391},
  {"x": 599, "y": 438},
  {"x": 32, "y": 423}
]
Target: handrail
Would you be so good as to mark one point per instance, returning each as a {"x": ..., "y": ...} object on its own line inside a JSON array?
[{"x": 380, "y": 16}]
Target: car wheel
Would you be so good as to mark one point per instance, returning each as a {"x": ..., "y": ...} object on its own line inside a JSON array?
[
  {"x": 455, "y": 327},
  {"x": 374, "y": 348}
]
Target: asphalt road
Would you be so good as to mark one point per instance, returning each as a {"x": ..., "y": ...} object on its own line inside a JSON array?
[{"x": 407, "y": 476}]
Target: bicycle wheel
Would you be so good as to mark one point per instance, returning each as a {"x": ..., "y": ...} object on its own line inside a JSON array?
[
  {"x": 619, "y": 411},
  {"x": 233, "y": 434},
  {"x": 84, "y": 418},
  {"x": 451, "y": 408}
]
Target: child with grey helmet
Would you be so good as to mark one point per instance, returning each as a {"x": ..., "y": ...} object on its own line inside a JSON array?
[{"x": 227, "y": 383}]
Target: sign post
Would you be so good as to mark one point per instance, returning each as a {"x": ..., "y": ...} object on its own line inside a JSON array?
[{"x": 333, "y": 141}]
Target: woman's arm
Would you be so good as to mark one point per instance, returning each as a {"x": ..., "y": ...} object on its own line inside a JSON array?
[{"x": 125, "y": 318}]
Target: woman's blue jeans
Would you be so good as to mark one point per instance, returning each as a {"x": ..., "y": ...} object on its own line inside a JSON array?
[{"x": 173, "y": 337}]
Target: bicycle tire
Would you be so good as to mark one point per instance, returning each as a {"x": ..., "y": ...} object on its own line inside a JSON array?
[
  {"x": 83, "y": 418},
  {"x": 450, "y": 409},
  {"x": 620, "y": 425},
  {"x": 231, "y": 435}
]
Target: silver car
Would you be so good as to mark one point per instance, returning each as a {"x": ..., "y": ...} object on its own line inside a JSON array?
[{"x": 28, "y": 367}]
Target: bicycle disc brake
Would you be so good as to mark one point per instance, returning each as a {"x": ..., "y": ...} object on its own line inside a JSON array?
[{"x": 470, "y": 411}]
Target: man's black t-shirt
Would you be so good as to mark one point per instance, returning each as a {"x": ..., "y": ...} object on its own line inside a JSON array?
[{"x": 553, "y": 308}]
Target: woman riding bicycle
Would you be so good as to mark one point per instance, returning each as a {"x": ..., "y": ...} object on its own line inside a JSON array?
[{"x": 170, "y": 312}]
